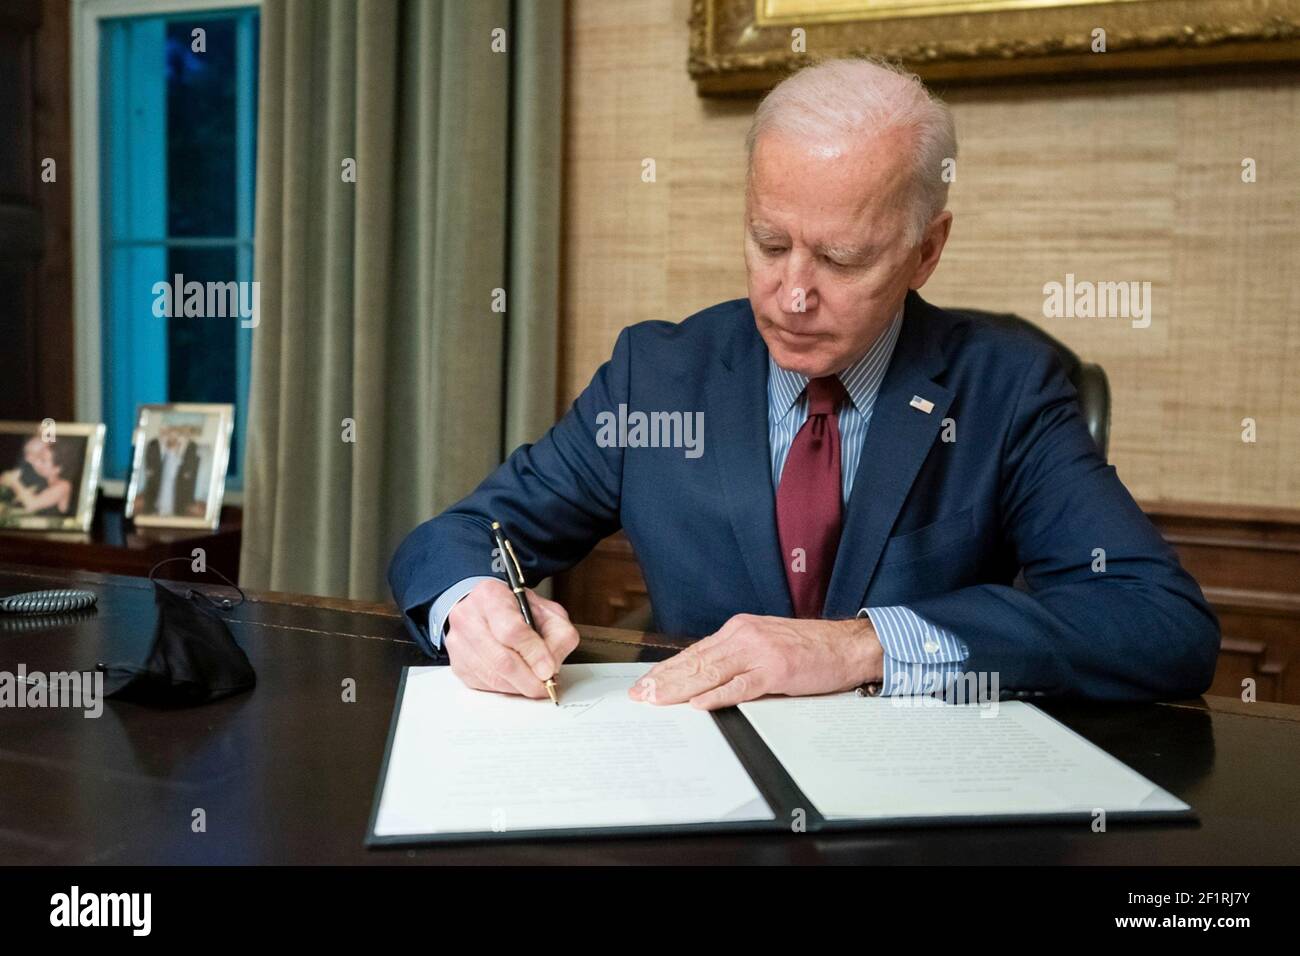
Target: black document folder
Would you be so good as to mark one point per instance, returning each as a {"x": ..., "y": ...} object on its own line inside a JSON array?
[{"x": 793, "y": 811}]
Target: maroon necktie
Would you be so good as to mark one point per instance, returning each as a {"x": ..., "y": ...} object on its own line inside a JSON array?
[{"x": 808, "y": 499}]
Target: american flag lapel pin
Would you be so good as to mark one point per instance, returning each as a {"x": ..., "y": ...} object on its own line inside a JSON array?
[{"x": 924, "y": 404}]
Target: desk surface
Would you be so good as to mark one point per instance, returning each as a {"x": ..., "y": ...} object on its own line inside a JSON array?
[{"x": 286, "y": 774}]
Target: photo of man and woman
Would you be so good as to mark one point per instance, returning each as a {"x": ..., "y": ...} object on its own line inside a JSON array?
[{"x": 48, "y": 474}]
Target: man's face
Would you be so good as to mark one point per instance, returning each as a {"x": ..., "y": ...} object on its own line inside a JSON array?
[
  {"x": 39, "y": 456},
  {"x": 825, "y": 246}
]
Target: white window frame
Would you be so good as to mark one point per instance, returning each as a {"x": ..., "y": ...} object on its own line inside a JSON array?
[{"x": 86, "y": 248}]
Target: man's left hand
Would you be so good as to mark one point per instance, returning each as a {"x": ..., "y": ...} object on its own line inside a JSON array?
[{"x": 751, "y": 656}]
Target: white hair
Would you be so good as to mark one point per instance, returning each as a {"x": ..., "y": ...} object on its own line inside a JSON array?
[{"x": 864, "y": 97}]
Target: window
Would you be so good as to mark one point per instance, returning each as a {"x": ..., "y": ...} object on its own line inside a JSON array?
[{"x": 177, "y": 128}]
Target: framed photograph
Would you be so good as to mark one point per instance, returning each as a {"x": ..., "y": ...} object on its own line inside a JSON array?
[
  {"x": 178, "y": 465},
  {"x": 746, "y": 46},
  {"x": 49, "y": 474}
]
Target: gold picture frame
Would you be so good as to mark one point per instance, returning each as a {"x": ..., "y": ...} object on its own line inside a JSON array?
[
  {"x": 746, "y": 46},
  {"x": 65, "y": 453}
]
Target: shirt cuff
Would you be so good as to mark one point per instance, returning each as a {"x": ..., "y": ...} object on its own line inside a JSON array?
[
  {"x": 920, "y": 658},
  {"x": 440, "y": 610}
]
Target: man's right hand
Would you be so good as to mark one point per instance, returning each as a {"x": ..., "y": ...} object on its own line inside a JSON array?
[{"x": 491, "y": 648}]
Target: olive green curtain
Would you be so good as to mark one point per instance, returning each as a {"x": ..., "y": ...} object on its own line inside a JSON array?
[{"x": 386, "y": 382}]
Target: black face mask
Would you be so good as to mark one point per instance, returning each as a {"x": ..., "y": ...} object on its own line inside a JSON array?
[{"x": 192, "y": 659}]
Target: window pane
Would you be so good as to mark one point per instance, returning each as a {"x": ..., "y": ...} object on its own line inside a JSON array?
[
  {"x": 201, "y": 350},
  {"x": 134, "y": 345},
  {"x": 178, "y": 158},
  {"x": 201, "y": 128}
]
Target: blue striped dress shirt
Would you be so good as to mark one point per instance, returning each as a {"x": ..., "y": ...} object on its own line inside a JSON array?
[{"x": 919, "y": 657}]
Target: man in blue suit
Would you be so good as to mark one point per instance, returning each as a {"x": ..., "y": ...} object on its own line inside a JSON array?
[{"x": 832, "y": 483}]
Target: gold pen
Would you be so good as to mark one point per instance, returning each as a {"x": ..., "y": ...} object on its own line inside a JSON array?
[{"x": 515, "y": 574}]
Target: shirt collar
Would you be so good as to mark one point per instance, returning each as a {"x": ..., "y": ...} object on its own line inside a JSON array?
[{"x": 861, "y": 379}]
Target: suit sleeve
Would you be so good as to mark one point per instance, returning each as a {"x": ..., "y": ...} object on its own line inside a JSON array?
[
  {"x": 556, "y": 498},
  {"x": 1109, "y": 613}
]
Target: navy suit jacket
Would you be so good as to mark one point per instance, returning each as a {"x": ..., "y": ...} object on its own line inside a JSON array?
[{"x": 940, "y": 526}]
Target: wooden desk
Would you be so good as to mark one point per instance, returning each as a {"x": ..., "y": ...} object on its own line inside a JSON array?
[
  {"x": 286, "y": 774},
  {"x": 116, "y": 546}
]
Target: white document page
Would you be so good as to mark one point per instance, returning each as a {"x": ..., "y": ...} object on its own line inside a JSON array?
[
  {"x": 869, "y": 757},
  {"x": 467, "y": 761}
]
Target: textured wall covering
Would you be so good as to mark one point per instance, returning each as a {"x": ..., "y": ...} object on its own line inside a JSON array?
[{"x": 1134, "y": 179}]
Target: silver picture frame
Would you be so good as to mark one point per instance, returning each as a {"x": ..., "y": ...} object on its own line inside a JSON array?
[
  {"x": 179, "y": 455},
  {"x": 30, "y": 472}
]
